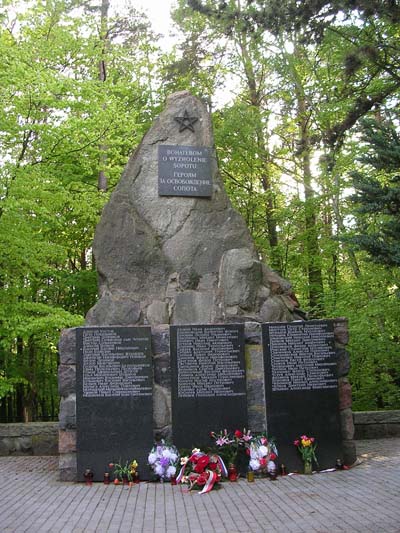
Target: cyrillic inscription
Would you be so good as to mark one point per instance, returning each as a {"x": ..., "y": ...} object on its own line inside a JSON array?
[
  {"x": 301, "y": 387},
  {"x": 114, "y": 401},
  {"x": 115, "y": 364},
  {"x": 208, "y": 362},
  {"x": 302, "y": 357},
  {"x": 208, "y": 375}
]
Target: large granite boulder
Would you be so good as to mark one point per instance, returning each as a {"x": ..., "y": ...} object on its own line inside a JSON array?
[{"x": 179, "y": 259}]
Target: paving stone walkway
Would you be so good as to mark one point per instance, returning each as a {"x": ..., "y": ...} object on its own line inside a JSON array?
[{"x": 363, "y": 499}]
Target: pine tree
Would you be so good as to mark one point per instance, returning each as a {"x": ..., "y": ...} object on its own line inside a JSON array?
[{"x": 377, "y": 196}]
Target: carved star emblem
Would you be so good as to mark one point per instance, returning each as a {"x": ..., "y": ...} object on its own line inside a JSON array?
[{"x": 186, "y": 122}]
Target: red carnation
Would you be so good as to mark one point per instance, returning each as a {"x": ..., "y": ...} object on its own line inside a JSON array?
[
  {"x": 272, "y": 456},
  {"x": 238, "y": 434}
]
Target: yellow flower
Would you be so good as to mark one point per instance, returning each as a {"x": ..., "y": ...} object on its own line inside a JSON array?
[{"x": 305, "y": 442}]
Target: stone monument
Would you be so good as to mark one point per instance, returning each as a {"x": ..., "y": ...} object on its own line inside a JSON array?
[
  {"x": 164, "y": 258},
  {"x": 170, "y": 250}
]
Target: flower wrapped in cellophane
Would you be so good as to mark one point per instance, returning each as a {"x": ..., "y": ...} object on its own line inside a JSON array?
[
  {"x": 263, "y": 452},
  {"x": 163, "y": 460},
  {"x": 201, "y": 470}
]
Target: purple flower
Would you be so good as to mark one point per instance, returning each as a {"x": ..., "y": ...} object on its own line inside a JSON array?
[{"x": 164, "y": 461}]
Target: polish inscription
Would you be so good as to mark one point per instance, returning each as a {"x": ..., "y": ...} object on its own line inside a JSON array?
[
  {"x": 184, "y": 171},
  {"x": 115, "y": 363}
]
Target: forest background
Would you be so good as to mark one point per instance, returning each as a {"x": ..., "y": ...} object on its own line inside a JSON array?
[{"x": 305, "y": 104}]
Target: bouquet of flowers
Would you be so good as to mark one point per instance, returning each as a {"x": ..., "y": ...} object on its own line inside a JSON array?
[
  {"x": 127, "y": 472},
  {"x": 163, "y": 459},
  {"x": 231, "y": 445},
  {"x": 306, "y": 447},
  {"x": 202, "y": 470},
  {"x": 263, "y": 452}
]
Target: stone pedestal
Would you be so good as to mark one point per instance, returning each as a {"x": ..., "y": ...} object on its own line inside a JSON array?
[{"x": 162, "y": 419}]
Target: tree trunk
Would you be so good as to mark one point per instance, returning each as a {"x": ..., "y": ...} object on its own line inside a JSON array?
[
  {"x": 30, "y": 395},
  {"x": 254, "y": 90},
  {"x": 102, "y": 181},
  {"x": 314, "y": 271}
]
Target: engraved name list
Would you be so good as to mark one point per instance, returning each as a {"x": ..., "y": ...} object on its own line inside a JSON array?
[
  {"x": 302, "y": 357},
  {"x": 115, "y": 364},
  {"x": 208, "y": 362}
]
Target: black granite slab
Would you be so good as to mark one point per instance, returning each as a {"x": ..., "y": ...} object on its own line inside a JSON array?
[
  {"x": 208, "y": 382},
  {"x": 184, "y": 171},
  {"x": 114, "y": 398},
  {"x": 301, "y": 385}
]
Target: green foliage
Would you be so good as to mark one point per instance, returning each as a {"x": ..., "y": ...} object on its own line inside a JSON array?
[
  {"x": 377, "y": 198},
  {"x": 195, "y": 62},
  {"x": 303, "y": 92},
  {"x": 291, "y": 15},
  {"x": 301, "y": 74},
  {"x": 60, "y": 125},
  {"x": 7, "y": 385},
  {"x": 371, "y": 303}
]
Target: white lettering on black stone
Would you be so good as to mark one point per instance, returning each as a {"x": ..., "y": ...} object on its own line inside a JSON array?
[
  {"x": 301, "y": 357},
  {"x": 114, "y": 365},
  {"x": 184, "y": 170},
  {"x": 208, "y": 362}
]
